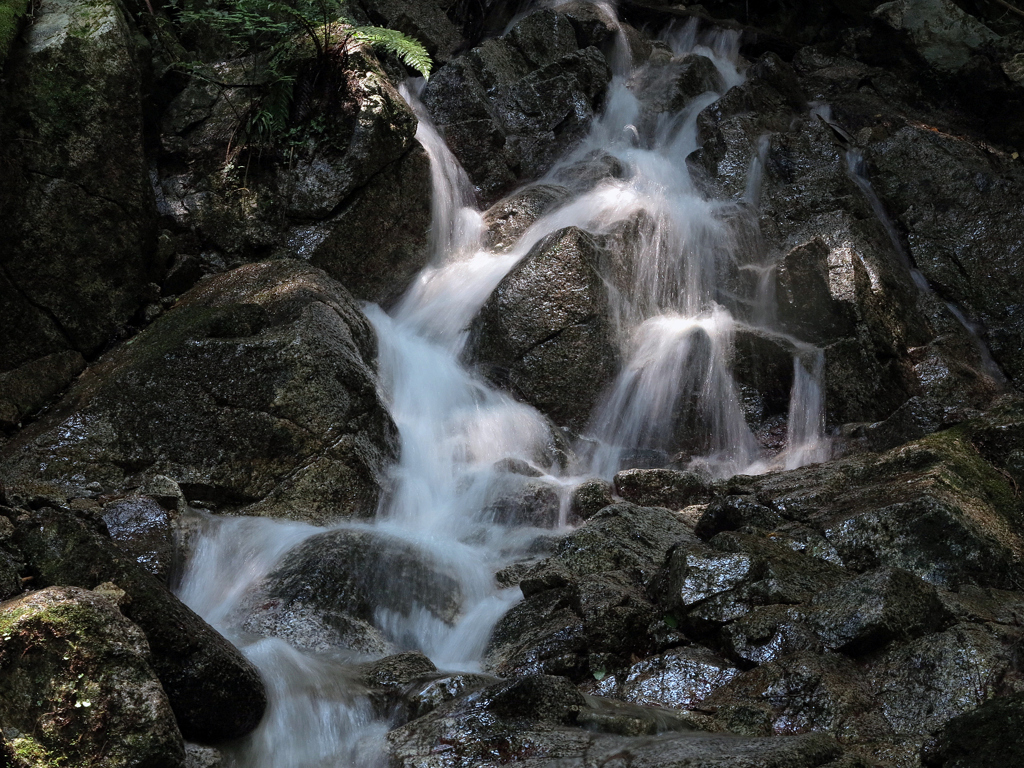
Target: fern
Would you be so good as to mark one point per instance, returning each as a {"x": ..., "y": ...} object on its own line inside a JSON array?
[{"x": 409, "y": 51}]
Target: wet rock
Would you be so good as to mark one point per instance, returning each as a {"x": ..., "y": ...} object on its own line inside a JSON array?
[
  {"x": 72, "y": 94},
  {"x": 583, "y": 606},
  {"x": 259, "y": 386},
  {"x": 546, "y": 329},
  {"x": 198, "y": 756},
  {"x": 800, "y": 693},
  {"x": 873, "y": 609},
  {"x": 513, "y": 105},
  {"x": 806, "y": 305},
  {"x": 525, "y": 502},
  {"x": 959, "y": 234},
  {"x": 987, "y": 736},
  {"x": 341, "y": 588},
  {"x": 508, "y": 219},
  {"x": 769, "y": 632},
  {"x": 662, "y": 487},
  {"x": 430, "y": 695},
  {"x": 143, "y": 529},
  {"x": 589, "y": 498},
  {"x": 532, "y": 721},
  {"x": 216, "y": 694},
  {"x": 77, "y": 685},
  {"x": 680, "y": 678},
  {"x": 715, "y": 584}
]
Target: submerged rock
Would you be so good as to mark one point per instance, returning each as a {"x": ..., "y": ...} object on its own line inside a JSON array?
[
  {"x": 350, "y": 588},
  {"x": 77, "y": 686},
  {"x": 259, "y": 386}
]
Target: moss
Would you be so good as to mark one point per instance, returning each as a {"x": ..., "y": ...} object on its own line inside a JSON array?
[
  {"x": 31, "y": 754},
  {"x": 11, "y": 13}
]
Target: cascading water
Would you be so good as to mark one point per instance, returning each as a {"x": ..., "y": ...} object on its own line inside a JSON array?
[{"x": 456, "y": 430}]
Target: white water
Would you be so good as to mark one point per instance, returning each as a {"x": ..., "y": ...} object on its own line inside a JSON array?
[{"x": 676, "y": 384}]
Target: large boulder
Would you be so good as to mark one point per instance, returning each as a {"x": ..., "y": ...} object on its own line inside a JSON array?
[
  {"x": 513, "y": 105},
  {"x": 76, "y": 213},
  {"x": 546, "y": 330},
  {"x": 77, "y": 686},
  {"x": 216, "y": 694},
  {"x": 259, "y": 386}
]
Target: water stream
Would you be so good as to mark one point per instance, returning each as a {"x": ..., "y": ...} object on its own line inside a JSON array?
[{"x": 677, "y": 341}]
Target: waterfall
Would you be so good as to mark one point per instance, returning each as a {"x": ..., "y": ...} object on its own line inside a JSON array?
[{"x": 675, "y": 388}]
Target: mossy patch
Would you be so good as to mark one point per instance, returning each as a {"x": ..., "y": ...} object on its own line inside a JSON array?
[{"x": 11, "y": 14}]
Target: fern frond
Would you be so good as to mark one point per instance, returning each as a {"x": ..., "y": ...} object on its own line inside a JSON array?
[{"x": 408, "y": 50}]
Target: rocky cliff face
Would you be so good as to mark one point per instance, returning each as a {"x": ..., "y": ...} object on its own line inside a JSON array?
[{"x": 182, "y": 339}]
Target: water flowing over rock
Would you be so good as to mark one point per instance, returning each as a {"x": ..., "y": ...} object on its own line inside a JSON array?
[
  {"x": 257, "y": 387},
  {"x": 684, "y": 430}
]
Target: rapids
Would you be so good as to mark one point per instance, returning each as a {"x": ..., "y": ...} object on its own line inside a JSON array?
[{"x": 677, "y": 343}]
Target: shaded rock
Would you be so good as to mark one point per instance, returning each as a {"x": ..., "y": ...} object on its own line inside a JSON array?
[
  {"x": 989, "y": 735},
  {"x": 143, "y": 529},
  {"x": 388, "y": 678},
  {"x": 28, "y": 388},
  {"x": 513, "y": 105},
  {"x": 72, "y": 94},
  {"x": 735, "y": 513},
  {"x": 925, "y": 683},
  {"x": 662, "y": 487},
  {"x": 338, "y": 588},
  {"x": 800, "y": 693},
  {"x": 197, "y": 756},
  {"x": 76, "y": 684},
  {"x": 806, "y": 305},
  {"x": 589, "y": 498},
  {"x": 423, "y": 20},
  {"x": 362, "y": 173},
  {"x": 873, "y": 609},
  {"x": 943, "y": 34},
  {"x": 258, "y": 386},
  {"x": 546, "y": 329},
  {"x": 216, "y": 694}
]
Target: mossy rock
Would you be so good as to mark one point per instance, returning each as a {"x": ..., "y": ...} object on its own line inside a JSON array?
[{"x": 77, "y": 687}]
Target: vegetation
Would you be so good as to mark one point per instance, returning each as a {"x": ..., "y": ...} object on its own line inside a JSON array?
[
  {"x": 11, "y": 12},
  {"x": 296, "y": 52}
]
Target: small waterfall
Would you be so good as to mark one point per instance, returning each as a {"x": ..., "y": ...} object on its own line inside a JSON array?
[{"x": 675, "y": 394}]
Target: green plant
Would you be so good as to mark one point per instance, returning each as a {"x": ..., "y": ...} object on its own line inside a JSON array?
[{"x": 297, "y": 51}]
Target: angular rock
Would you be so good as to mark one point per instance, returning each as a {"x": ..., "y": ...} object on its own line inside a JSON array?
[
  {"x": 735, "y": 513},
  {"x": 679, "y": 679},
  {"x": 768, "y": 633},
  {"x": 77, "y": 685},
  {"x": 873, "y": 609},
  {"x": 259, "y": 386},
  {"x": 546, "y": 330},
  {"x": 143, "y": 529},
  {"x": 28, "y": 388},
  {"x": 589, "y": 498},
  {"x": 512, "y": 106},
  {"x": 216, "y": 694},
  {"x": 986, "y": 736},
  {"x": 943, "y": 34},
  {"x": 72, "y": 94}
]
